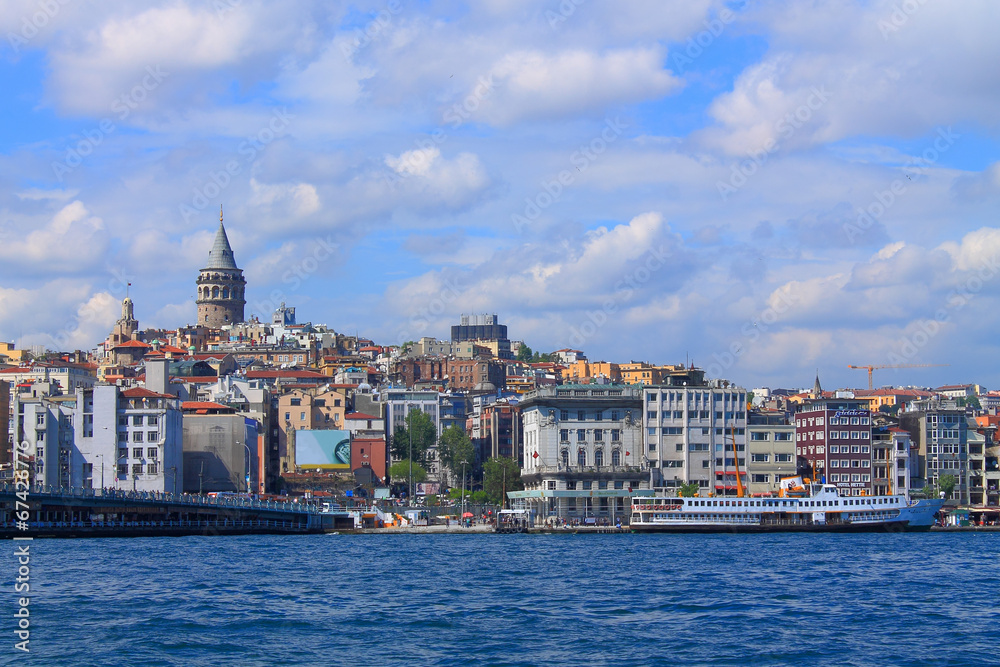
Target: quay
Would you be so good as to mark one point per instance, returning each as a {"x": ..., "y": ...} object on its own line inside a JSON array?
[{"x": 115, "y": 513}]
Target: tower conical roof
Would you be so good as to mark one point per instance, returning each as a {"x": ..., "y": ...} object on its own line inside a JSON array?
[
  {"x": 817, "y": 388},
  {"x": 221, "y": 254}
]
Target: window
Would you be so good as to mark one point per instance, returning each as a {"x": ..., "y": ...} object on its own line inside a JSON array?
[
  {"x": 571, "y": 486},
  {"x": 581, "y": 457},
  {"x": 782, "y": 458},
  {"x": 122, "y": 468},
  {"x": 40, "y": 436},
  {"x": 614, "y": 415},
  {"x": 122, "y": 452},
  {"x": 760, "y": 479},
  {"x": 151, "y": 452},
  {"x": 137, "y": 453},
  {"x": 565, "y": 457},
  {"x": 587, "y": 486},
  {"x": 835, "y": 463},
  {"x": 302, "y": 416},
  {"x": 581, "y": 415},
  {"x": 855, "y": 449},
  {"x": 137, "y": 420},
  {"x": 616, "y": 457},
  {"x": 136, "y": 436},
  {"x": 616, "y": 435},
  {"x": 759, "y": 458},
  {"x": 652, "y": 446},
  {"x": 598, "y": 435},
  {"x": 136, "y": 468},
  {"x": 295, "y": 402},
  {"x": 288, "y": 416},
  {"x": 619, "y": 484},
  {"x": 564, "y": 415},
  {"x": 152, "y": 420},
  {"x": 151, "y": 436},
  {"x": 758, "y": 436},
  {"x": 151, "y": 469},
  {"x": 599, "y": 457},
  {"x": 564, "y": 435},
  {"x": 122, "y": 420},
  {"x": 598, "y": 415},
  {"x": 551, "y": 485},
  {"x": 581, "y": 435},
  {"x": 651, "y": 415},
  {"x": 783, "y": 436}
]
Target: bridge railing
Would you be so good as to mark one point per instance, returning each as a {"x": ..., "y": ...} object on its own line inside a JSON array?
[{"x": 239, "y": 502}]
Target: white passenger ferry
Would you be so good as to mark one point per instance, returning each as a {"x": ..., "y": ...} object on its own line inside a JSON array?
[{"x": 805, "y": 507}]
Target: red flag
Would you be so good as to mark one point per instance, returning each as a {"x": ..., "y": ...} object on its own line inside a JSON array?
[
  {"x": 535, "y": 455},
  {"x": 628, "y": 453}
]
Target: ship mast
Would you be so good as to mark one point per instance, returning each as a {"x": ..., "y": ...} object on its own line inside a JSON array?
[{"x": 736, "y": 462}]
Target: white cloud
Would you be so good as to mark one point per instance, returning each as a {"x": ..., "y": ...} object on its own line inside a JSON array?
[
  {"x": 533, "y": 84},
  {"x": 71, "y": 240}
]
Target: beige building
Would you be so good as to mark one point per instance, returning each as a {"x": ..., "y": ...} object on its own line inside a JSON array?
[
  {"x": 308, "y": 408},
  {"x": 770, "y": 451}
]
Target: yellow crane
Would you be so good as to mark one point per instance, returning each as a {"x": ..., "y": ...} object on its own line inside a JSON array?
[{"x": 872, "y": 367}]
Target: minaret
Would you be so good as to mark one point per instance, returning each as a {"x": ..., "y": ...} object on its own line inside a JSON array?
[{"x": 221, "y": 285}]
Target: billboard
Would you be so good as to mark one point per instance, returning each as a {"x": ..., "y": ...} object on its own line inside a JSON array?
[{"x": 325, "y": 450}]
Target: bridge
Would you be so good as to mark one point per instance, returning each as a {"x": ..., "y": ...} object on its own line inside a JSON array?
[{"x": 60, "y": 512}]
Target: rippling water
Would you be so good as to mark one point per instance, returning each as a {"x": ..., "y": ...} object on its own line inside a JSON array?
[{"x": 880, "y": 599}]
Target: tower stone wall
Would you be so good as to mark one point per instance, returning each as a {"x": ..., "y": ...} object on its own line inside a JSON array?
[{"x": 221, "y": 285}]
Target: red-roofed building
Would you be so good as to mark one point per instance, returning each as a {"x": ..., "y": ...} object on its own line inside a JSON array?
[
  {"x": 206, "y": 408},
  {"x": 364, "y": 425}
]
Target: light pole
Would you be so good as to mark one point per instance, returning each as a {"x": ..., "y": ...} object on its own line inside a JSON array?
[
  {"x": 101, "y": 456},
  {"x": 463, "y": 491},
  {"x": 409, "y": 428}
]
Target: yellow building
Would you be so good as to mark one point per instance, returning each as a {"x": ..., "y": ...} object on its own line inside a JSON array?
[{"x": 584, "y": 370}]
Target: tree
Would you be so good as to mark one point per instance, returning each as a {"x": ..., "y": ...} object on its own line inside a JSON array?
[
  {"x": 947, "y": 485},
  {"x": 538, "y": 358},
  {"x": 749, "y": 399},
  {"x": 524, "y": 353},
  {"x": 399, "y": 473},
  {"x": 688, "y": 490},
  {"x": 499, "y": 476},
  {"x": 424, "y": 435},
  {"x": 479, "y": 497},
  {"x": 455, "y": 448}
]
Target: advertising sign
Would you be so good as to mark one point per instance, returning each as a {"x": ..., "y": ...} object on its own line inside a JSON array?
[{"x": 324, "y": 450}]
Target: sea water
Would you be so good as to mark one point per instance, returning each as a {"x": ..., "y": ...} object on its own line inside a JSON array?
[{"x": 793, "y": 599}]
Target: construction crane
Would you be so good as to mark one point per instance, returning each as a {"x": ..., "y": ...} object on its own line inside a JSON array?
[{"x": 872, "y": 367}]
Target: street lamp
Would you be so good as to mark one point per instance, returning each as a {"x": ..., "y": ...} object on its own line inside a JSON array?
[
  {"x": 409, "y": 428},
  {"x": 101, "y": 456}
]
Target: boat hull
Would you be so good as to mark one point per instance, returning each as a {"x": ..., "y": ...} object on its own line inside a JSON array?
[{"x": 884, "y": 527}]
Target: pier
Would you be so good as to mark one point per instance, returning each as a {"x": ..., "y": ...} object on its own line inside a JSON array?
[{"x": 53, "y": 512}]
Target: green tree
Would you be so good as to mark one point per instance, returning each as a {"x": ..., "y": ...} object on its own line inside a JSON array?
[
  {"x": 688, "y": 490},
  {"x": 537, "y": 358},
  {"x": 524, "y": 353},
  {"x": 431, "y": 500},
  {"x": 399, "y": 473},
  {"x": 947, "y": 485},
  {"x": 424, "y": 435},
  {"x": 455, "y": 448},
  {"x": 479, "y": 497},
  {"x": 499, "y": 476}
]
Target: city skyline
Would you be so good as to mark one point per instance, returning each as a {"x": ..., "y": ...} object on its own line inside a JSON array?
[{"x": 763, "y": 190}]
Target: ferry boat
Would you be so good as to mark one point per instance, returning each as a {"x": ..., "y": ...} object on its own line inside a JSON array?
[{"x": 800, "y": 506}]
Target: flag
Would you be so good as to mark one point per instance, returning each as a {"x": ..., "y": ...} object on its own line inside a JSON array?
[
  {"x": 628, "y": 453},
  {"x": 535, "y": 455}
]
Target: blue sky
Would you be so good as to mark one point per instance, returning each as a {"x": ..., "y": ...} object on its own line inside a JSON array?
[{"x": 640, "y": 180}]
